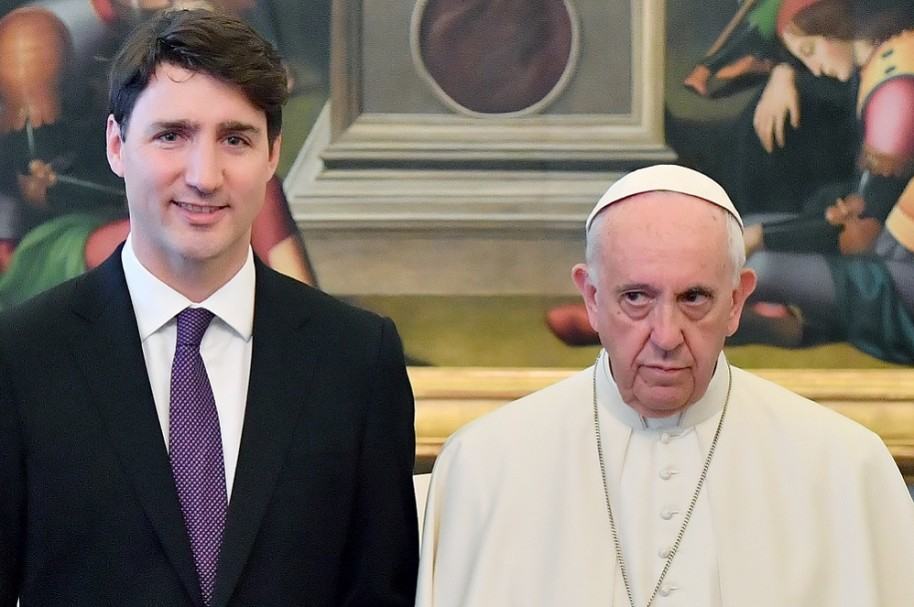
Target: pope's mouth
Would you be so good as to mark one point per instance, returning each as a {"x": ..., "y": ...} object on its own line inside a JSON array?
[
  {"x": 665, "y": 369},
  {"x": 660, "y": 373}
]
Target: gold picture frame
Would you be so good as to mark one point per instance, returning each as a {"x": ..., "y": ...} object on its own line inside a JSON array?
[{"x": 880, "y": 399}]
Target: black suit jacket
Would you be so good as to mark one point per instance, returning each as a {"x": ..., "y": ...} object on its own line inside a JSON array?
[{"x": 322, "y": 511}]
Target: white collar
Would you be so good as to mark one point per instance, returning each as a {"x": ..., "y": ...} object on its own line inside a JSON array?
[
  {"x": 711, "y": 403},
  {"x": 155, "y": 303}
]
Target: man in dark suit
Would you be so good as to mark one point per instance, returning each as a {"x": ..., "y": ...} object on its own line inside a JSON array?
[{"x": 183, "y": 426}]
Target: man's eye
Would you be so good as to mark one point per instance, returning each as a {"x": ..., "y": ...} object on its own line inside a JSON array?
[
  {"x": 167, "y": 137},
  {"x": 635, "y": 297},
  {"x": 695, "y": 297},
  {"x": 235, "y": 140}
]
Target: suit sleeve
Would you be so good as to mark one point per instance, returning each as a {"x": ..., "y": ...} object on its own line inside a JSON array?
[
  {"x": 384, "y": 543},
  {"x": 12, "y": 502}
]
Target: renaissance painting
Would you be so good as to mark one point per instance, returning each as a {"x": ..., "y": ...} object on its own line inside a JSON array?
[
  {"x": 816, "y": 150},
  {"x": 473, "y": 137}
]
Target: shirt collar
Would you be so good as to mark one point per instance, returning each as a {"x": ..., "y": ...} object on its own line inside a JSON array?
[
  {"x": 155, "y": 303},
  {"x": 711, "y": 403}
]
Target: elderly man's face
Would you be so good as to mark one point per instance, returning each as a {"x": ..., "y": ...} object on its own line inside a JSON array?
[{"x": 660, "y": 292}]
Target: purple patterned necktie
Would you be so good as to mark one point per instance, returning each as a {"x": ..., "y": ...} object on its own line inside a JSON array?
[{"x": 195, "y": 448}]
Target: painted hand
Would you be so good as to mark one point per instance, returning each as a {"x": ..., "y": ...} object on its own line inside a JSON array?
[{"x": 780, "y": 103}]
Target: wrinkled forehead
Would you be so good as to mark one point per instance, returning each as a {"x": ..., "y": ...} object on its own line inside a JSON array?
[{"x": 670, "y": 228}]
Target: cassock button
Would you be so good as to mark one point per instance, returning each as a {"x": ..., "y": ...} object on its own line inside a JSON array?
[
  {"x": 664, "y": 553},
  {"x": 668, "y": 513},
  {"x": 665, "y": 438},
  {"x": 668, "y": 473},
  {"x": 667, "y": 589}
]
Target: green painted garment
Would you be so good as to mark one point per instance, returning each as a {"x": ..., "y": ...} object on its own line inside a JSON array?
[
  {"x": 764, "y": 17},
  {"x": 875, "y": 321},
  {"x": 49, "y": 254}
]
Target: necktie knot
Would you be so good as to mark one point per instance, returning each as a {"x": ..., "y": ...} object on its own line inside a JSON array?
[{"x": 192, "y": 324}]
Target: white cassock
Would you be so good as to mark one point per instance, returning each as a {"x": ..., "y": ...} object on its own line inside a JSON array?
[{"x": 802, "y": 507}]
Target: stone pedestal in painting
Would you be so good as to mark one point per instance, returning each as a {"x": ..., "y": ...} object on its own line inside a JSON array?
[{"x": 465, "y": 142}]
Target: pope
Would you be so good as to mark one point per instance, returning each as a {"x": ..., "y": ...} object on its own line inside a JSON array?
[{"x": 663, "y": 475}]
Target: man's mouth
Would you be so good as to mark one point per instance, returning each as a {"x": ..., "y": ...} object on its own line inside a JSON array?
[
  {"x": 199, "y": 208},
  {"x": 662, "y": 370}
]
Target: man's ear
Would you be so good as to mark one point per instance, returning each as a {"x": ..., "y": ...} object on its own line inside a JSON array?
[
  {"x": 274, "y": 155},
  {"x": 580, "y": 274},
  {"x": 744, "y": 288},
  {"x": 114, "y": 146}
]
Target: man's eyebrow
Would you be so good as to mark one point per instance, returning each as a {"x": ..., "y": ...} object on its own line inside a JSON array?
[
  {"x": 634, "y": 286},
  {"x": 700, "y": 290},
  {"x": 172, "y": 125},
  {"x": 239, "y": 127},
  {"x": 234, "y": 126}
]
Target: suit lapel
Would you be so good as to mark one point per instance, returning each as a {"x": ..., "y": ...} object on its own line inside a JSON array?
[
  {"x": 274, "y": 404},
  {"x": 117, "y": 377}
]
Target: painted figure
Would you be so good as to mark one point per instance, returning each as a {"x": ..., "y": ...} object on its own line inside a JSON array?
[
  {"x": 796, "y": 134},
  {"x": 847, "y": 273}
]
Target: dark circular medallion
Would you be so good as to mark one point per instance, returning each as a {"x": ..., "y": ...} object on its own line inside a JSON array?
[{"x": 495, "y": 56}]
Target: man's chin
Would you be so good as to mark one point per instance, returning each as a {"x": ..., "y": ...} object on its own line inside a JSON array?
[
  {"x": 661, "y": 401},
  {"x": 659, "y": 411}
]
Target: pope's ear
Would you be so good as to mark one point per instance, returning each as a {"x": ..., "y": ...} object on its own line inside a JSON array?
[
  {"x": 114, "y": 146},
  {"x": 580, "y": 274},
  {"x": 581, "y": 278},
  {"x": 744, "y": 288}
]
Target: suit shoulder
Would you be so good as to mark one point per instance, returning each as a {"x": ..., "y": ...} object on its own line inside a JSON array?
[
  {"x": 323, "y": 306},
  {"x": 39, "y": 313}
]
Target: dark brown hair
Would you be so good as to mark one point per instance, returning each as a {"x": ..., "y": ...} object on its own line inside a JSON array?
[
  {"x": 830, "y": 18},
  {"x": 871, "y": 20},
  {"x": 212, "y": 43}
]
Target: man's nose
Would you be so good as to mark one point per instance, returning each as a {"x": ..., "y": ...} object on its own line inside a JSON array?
[
  {"x": 666, "y": 327},
  {"x": 204, "y": 170}
]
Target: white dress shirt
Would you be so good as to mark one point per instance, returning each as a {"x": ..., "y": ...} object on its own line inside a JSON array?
[{"x": 226, "y": 345}]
